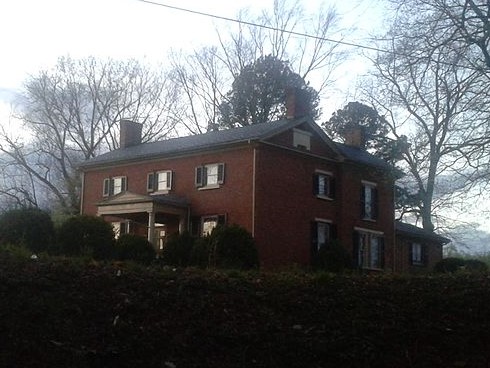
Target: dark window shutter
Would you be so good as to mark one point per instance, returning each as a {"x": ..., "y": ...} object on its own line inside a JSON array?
[
  {"x": 199, "y": 176},
  {"x": 363, "y": 201},
  {"x": 124, "y": 184},
  {"x": 381, "y": 254},
  {"x": 169, "y": 179},
  {"x": 204, "y": 179},
  {"x": 221, "y": 220},
  {"x": 333, "y": 232},
  {"x": 410, "y": 254},
  {"x": 316, "y": 184},
  {"x": 111, "y": 186},
  {"x": 221, "y": 173},
  {"x": 374, "y": 202},
  {"x": 314, "y": 241},
  {"x": 356, "y": 256},
  {"x": 425, "y": 254},
  {"x": 150, "y": 182},
  {"x": 195, "y": 225},
  {"x": 331, "y": 187},
  {"x": 107, "y": 187}
]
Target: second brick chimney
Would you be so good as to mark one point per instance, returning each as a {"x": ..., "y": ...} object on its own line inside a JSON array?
[
  {"x": 297, "y": 104},
  {"x": 130, "y": 133},
  {"x": 355, "y": 136}
]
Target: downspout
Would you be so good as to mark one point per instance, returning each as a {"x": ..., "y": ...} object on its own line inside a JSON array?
[
  {"x": 81, "y": 193},
  {"x": 253, "y": 190}
]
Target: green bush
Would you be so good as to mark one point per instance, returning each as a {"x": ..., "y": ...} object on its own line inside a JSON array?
[
  {"x": 333, "y": 257},
  {"x": 454, "y": 264},
  {"x": 178, "y": 249},
  {"x": 28, "y": 227},
  {"x": 134, "y": 248},
  {"x": 232, "y": 247},
  {"x": 475, "y": 265},
  {"x": 200, "y": 253},
  {"x": 87, "y": 236}
]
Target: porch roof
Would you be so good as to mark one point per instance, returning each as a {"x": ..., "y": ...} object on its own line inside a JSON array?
[
  {"x": 408, "y": 230},
  {"x": 129, "y": 202}
]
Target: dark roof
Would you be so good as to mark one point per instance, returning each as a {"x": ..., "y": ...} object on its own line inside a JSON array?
[
  {"x": 361, "y": 156},
  {"x": 214, "y": 139},
  {"x": 217, "y": 139},
  {"x": 417, "y": 232}
]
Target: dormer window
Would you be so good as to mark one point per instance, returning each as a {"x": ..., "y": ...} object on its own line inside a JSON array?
[{"x": 301, "y": 139}]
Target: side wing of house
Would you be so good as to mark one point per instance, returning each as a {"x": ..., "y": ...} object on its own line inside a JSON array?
[{"x": 417, "y": 250}]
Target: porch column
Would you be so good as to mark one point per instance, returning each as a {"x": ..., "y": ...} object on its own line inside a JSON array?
[
  {"x": 182, "y": 224},
  {"x": 151, "y": 226}
]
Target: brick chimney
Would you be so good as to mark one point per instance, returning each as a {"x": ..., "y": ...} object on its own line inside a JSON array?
[
  {"x": 355, "y": 136},
  {"x": 129, "y": 134},
  {"x": 296, "y": 103}
]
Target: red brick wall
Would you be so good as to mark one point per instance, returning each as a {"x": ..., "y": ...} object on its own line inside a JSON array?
[
  {"x": 349, "y": 189},
  {"x": 286, "y": 205},
  {"x": 404, "y": 264},
  {"x": 233, "y": 198}
]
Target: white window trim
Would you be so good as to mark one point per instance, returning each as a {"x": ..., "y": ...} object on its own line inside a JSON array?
[
  {"x": 377, "y": 234},
  {"x": 364, "y": 230},
  {"x": 169, "y": 185},
  {"x": 219, "y": 182},
  {"x": 330, "y": 175}
]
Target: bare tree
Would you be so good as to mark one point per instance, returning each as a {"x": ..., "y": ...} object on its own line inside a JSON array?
[
  {"x": 70, "y": 115},
  {"x": 465, "y": 23},
  {"x": 206, "y": 76},
  {"x": 438, "y": 101}
]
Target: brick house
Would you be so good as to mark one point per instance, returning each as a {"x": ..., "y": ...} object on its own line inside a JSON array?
[{"x": 286, "y": 182}]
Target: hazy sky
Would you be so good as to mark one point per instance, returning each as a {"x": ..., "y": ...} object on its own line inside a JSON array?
[{"x": 34, "y": 33}]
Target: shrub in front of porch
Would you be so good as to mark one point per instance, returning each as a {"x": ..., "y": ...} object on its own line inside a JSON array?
[
  {"x": 178, "y": 249},
  {"x": 232, "y": 247},
  {"x": 130, "y": 247},
  {"x": 226, "y": 247},
  {"x": 87, "y": 236}
]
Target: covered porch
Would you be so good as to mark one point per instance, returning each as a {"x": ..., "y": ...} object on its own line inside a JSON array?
[{"x": 153, "y": 216}]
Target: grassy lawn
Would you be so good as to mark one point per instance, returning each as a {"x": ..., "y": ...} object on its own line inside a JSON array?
[{"x": 74, "y": 314}]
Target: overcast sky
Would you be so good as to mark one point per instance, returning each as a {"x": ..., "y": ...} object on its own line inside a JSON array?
[{"x": 35, "y": 33}]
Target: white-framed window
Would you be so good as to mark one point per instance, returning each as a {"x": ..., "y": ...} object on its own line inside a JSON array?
[
  {"x": 324, "y": 184},
  {"x": 160, "y": 181},
  {"x": 208, "y": 223},
  {"x": 369, "y": 250},
  {"x": 302, "y": 139},
  {"x": 210, "y": 176},
  {"x": 114, "y": 185},
  {"x": 322, "y": 233},
  {"x": 417, "y": 256},
  {"x": 369, "y": 201}
]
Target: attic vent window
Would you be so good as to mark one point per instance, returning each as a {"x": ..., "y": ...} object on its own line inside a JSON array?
[{"x": 301, "y": 139}]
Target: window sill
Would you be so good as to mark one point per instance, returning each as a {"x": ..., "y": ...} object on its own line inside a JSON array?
[
  {"x": 369, "y": 219},
  {"x": 324, "y": 197},
  {"x": 160, "y": 192},
  {"x": 418, "y": 264},
  {"x": 208, "y": 187}
]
